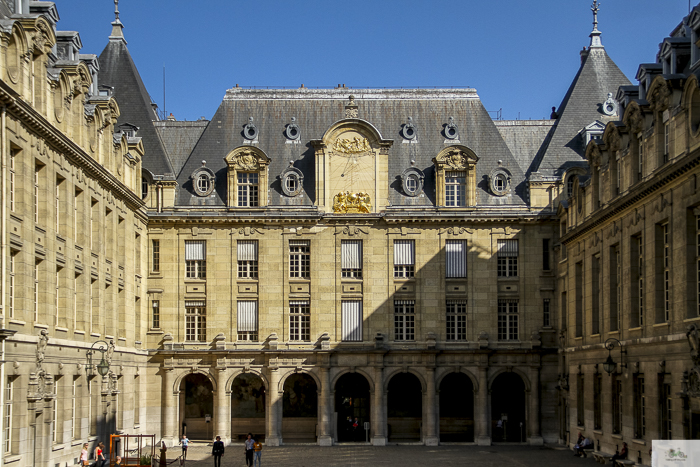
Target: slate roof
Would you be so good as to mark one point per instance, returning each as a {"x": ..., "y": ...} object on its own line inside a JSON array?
[
  {"x": 597, "y": 76},
  {"x": 118, "y": 70},
  {"x": 524, "y": 138},
  {"x": 317, "y": 110},
  {"x": 179, "y": 139}
]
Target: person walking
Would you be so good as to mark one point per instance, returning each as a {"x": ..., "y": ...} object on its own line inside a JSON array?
[
  {"x": 99, "y": 454},
  {"x": 257, "y": 446},
  {"x": 249, "y": 450},
  {"x": 185, "y": 442},
  {"x": 217, "y": 451},
  {"x": 84, "y": 455}
]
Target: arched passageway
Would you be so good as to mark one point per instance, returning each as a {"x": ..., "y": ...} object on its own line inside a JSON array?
[
  {"x": 299, "y": 409},
  {"x": 456, "y": 408},
  {"x": 352, "y": 407},
  {"x": 508, "y": 406},
  {"x": 404, "y": 408},
  {"x": 247, "y": 407},
  {"x": 196, "y": 404}
]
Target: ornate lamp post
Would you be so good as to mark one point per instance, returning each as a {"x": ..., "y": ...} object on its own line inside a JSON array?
[
  {"x": 610, "y": 365},
  {"x": 103, "y": 366}
]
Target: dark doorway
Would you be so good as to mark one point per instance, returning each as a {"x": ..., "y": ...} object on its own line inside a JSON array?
[
  {"x": 299, "y": 409},
  {"x": 456, "y": 408},
  {"x": 352, "y": 407},
  {"x": 695, "y": 425},
  {"x": 508, "y": 406},
  {"x": 404, "y": 408},
  {"x": 247, "y": 407},
  {"x": 196, "y": 407}
]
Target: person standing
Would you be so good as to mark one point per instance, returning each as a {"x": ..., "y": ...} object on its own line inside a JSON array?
[
  {"x": 217, "y": 451},
  {"x": 84, "y": 455},
  {"x": 249, "y": 450},
  {"x": 99, "y": 454},
  {"x": 257, "y": 446},
  {"x": 185, "y": 442}
]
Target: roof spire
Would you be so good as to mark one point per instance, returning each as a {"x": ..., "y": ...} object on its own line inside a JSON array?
[
  {"x": 117, "y": 26},
  {"x": 595, "y": 35}
]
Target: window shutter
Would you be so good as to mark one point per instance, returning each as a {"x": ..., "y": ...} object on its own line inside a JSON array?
[
  {"x": 195, "y": 303},
  {"x": 508, "y": 248},
  {"x": 247, "y": 316},
  {"x": 247, "y": 250},
  {"x": 351, "y": 320},
  {"x": 351, "y": 254},
  {"x": 195, "y": 250},
  {"x": 404, "y": 253},
  {"x": 456, "y": 258}
]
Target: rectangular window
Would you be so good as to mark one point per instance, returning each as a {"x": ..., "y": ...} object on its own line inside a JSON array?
[
  {"x": 351, "y": 311},
  {"x": 54, "y": 421},
  {"x": 404, "y": 320},
  {"x": 597, "y": 401},
  {"x": 546, "y": 254},
  {"x": 195, "y": 321},
  {"x": 595, "y": 295},
  {"x": 74, "y": 409},
  {"x": 580, "y": 388},
  {"x": 299, "y": 258},
  {"x": 640, "y": 416},
  {"x": 248, "y": 320},
  {"x": 456, "y": 313},
  {"x": 456, "y": 258},
  {"x": 404, "y": 258},
  {"x": 667, "y": 138},
  {"x": 155, "y": 314},
  {"x": 637, "y": 289},
  {"x": 13, "y": 154},
  {"x": 58, "y": 204},
  {"x": 247, "y": 189},
  {"x": 508, "y": 320},
  {"x": 247, "y": 251},
  {"x": 507, "y": 258},
  {"x": 578, "y": 291},
  {"x": 662, "y": 272},
  {"x": 615, "y": 273},
  {"x": 351, "y": 258},
  {"x": 137, "y": 404},
  {"x": 640, "y": 165},
  {"x": 36, "y": 291},
  {"x": 299, "y": 321},
  {"x": 617, "y": 405},
  {"x": 666, "y": 410},
  {"x": 667, "y": 272},
  {"x": 546, "y": 313},
  {"x": 155, "y": 255},
  {"x": 57, "y": 295},
  {"x": 12, "y": 286},
  {"x": 37, "y": 172},
  {"x": 455, "y": 189},
  {"x": 196, "y": 259},
  {"x": 9, "y": 393}
]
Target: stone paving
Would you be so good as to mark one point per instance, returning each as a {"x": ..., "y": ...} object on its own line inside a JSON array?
[{"x": 408, "y": 456}]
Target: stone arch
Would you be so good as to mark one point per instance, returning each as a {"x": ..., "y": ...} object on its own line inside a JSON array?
[
  {"x": 405, "y": 405},
  {"x": 60, "y": 94},
  {"x": 17, "y": 47},
  {"x": 182, "y": 375},
  {"x": 248, "y": 394},
  {"x": 691, "y": 103},
  {"x": 456, "y": 406},
  {"x": 196, "y": 402},
  {"x": 362, "y": 126},
  {"x": 48, "y": 39},
  {"x": 241, "y": 371},
  {"x": 352, "y": 402},
  {"x": 300, "y": 407},
  {"x": 291, "y": 371},
  {"x": 509, "y": 394},
  {"x": 520, "y": 373},
  {"x": 470, "y": 375},
  {"x": 361, "y": 371},
  {"x": 421, "y": 378}
]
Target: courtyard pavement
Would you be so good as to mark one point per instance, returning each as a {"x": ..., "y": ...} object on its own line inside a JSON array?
[{"x": 408, "y": 456}]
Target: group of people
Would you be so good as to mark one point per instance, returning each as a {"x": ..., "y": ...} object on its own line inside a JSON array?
[
  {"x": 99, "y": 455},
  {"x": 583, "y": 444}
]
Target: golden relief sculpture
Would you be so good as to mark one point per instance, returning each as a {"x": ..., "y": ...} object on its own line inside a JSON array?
[
  {"x": 352, "y": 146},
  {"x": 346, "y": 202}
]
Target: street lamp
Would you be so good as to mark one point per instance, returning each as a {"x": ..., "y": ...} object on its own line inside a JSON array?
[
  {"x": 103, "y": 366},
  {"x": 609, "y": 366}
]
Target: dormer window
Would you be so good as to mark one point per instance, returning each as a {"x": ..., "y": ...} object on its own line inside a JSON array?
[
  {"x": 247, "y": 177},
  {"x": 203, "y": 180},
  {"x": 455, "y": 177},
  {"x": 203, "y": 183}
]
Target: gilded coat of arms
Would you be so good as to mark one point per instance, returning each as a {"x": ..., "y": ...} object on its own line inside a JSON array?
[{"x": 347, "y": 202}]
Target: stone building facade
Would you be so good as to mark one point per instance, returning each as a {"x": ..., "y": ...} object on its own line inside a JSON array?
[{"x": 337, "y": 265}]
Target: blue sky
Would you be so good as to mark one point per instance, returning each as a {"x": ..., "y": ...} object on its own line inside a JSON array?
[{"x": 520, "y": 55}]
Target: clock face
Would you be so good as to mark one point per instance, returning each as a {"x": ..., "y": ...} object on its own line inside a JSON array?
[{"x": 352, "y": 164}]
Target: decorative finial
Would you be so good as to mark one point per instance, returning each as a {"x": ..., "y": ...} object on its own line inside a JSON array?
[
  {"x": 595, "y": 35},
  {"x": 116, "y": 10},
  {"x": 204, "y": 163},
  {"x": 351, "y": 108},
  {"x": 117, "y": 26}
]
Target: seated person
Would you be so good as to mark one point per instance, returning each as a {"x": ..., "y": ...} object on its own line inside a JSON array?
[{"x": 620, "y": 455}]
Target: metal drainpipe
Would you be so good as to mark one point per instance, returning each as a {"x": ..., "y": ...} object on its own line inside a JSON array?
[{"x": 3, "y": 266}]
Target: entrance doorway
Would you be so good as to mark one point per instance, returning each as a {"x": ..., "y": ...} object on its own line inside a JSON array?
[
  {"x": 456, "y": 408},
  {"x": 247, "y": 407},
  {"x": 299, "y": 409},
  {"x": 404, "y": 408},
  {"x": 508, "y": 406},
  {"x": 352, "y": 407},
  {"x": 196, "y": 407}
]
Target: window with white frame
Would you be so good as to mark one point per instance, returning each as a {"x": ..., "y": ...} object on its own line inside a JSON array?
[
  {"x": 667, "y": 138},
  {"x": 54, "y": 403},
  {"x": 404, "y": 258},
  {"x": 299, "y": 320},
  {"x": 455, "y": 189},
  {"x": 455, "y": 258},
  {"x": 137, "y": 405},
  {"x": 247, "y": 251},
  {"x": 12, "y": 286},
  {"x": 456, "y": 314},
  {"x": 37, "y": 172},
  {"x": 196, "y": 259},
  {"x": 7, "y": 422},
  {"x": 404, "y": 320},
  {"x": 247, "y": 189},
  {"x": 508, "y": 320},
  {"x": 36, "y": 290},
  {"x": 195, "y": 321},
  {"x": 299, "y": 259},
  {"x": 351, "y": 259},
  {"x": 57, "y": 296},
  {"x": 74, "y": 409},
  {"x": 351, "y": 320},
  {"x": 59, "y": 181},
  {"x": 507, "y": 258},
  {"x": 247, "y": 320},
  {"x": 155, "y": 314},
  {"x": 13, "y": 155}
]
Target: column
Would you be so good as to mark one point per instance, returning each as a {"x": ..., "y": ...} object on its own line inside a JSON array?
[
  {"x": 378, "y": 409},
  {"x": 482, "y": 409},
  {"x": 326, "y": 404},
  {"x": 274, "y": 400},
  {"x": 431, "y": 438},
  {"x": 169, "y": 407},
  {"x": 223, "y": 408},
  {"x": 533, "y": 421}
]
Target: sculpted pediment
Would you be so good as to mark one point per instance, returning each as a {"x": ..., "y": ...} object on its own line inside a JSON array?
[{"x": 247, "y": 158}]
